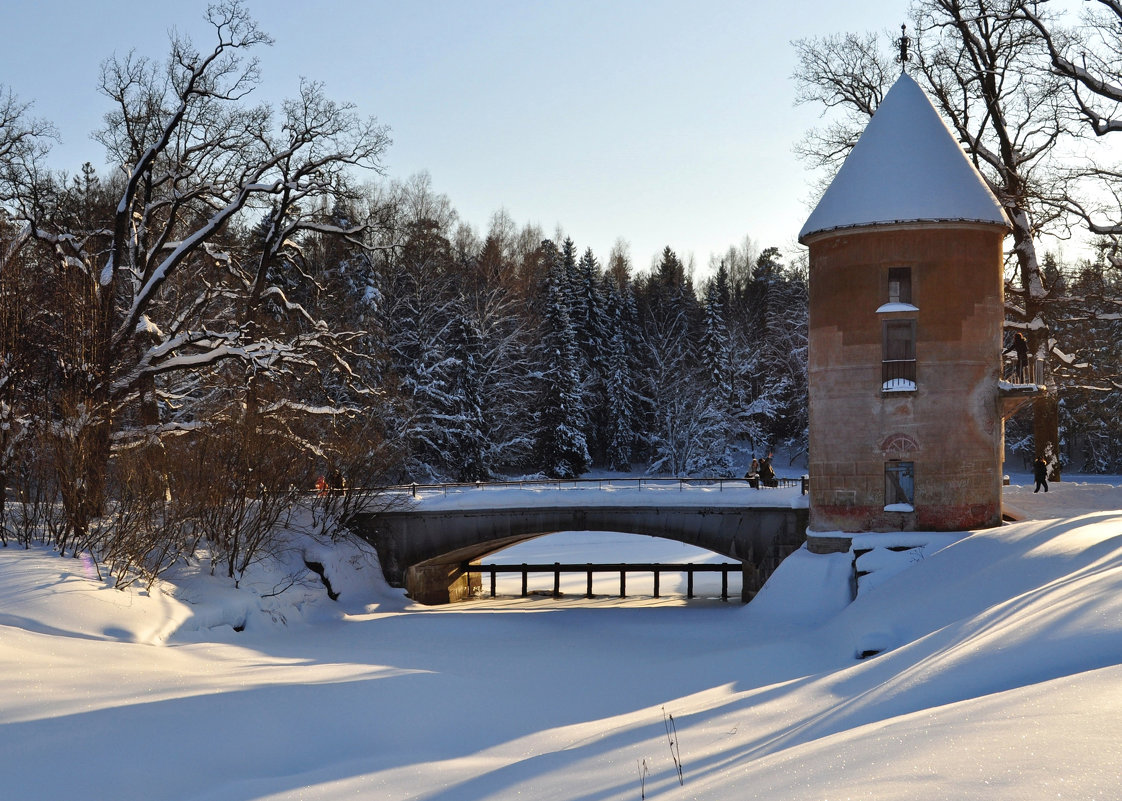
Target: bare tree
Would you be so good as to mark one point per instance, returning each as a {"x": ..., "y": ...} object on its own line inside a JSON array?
[
  {"x": 162, "y": 292},
  {"x": 1088, "y": 57},
  {"x": 24, "y": 142}
]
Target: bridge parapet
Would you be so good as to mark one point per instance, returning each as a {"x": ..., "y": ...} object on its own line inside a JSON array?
[{"x": 612, "y": 484}]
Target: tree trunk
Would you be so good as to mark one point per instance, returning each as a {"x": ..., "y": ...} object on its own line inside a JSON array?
[{"x": 1045, "y": 433}]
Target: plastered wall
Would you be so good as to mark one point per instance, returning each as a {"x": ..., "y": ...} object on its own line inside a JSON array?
[{"x": 949, "y": 426}]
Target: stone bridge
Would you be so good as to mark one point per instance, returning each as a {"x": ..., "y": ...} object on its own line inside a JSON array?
[{"x": 425, "y": 550}]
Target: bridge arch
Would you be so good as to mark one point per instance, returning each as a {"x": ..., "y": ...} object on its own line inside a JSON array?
[{"x": 424, "y": 551}]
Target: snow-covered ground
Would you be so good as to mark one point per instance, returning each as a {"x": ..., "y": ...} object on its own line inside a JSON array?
[{"x": 998, "y": 678}]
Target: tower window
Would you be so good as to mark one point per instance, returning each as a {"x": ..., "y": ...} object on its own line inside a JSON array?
[
  {"x": 899, "y": 486},
  {"x": 899, "y": 284},
  {"x": 898, "y": 368}
]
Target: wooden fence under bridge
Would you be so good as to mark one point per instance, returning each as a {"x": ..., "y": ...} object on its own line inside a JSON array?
[{"x": 589, "y": 569}]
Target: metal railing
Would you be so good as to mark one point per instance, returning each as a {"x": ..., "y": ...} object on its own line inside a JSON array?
[
  {"x": 557, "y": 568},
  {"x": 682, "y": 484},
  {"x": 898, "y": 370}
]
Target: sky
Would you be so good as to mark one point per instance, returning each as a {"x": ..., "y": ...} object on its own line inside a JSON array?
[{"x": 659, "y": 122}]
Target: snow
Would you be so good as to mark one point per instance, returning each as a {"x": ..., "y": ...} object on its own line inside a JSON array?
[
  {"x": 976, "y": 665},
  {"x": 609, "y": 492},
  {"x": 144, "y": 325},
  {"x": 897, "y": 307},
  {"x": 1012, "y": 386},
  {"x": 906, "y": 167},
  {"x": 898, "y": 385}
]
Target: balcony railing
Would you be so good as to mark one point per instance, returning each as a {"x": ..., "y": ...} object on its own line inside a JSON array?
[{"x": 898, "y": 374}]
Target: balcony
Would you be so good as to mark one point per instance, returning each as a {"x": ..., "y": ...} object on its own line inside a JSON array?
[{"x": 898, "y": 375}]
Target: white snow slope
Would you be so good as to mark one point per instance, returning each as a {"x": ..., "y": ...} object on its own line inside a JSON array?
[{"x": 999, "y": 678}]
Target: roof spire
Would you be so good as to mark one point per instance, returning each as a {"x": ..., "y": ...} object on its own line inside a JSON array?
[{"x": 903, "y": 42}]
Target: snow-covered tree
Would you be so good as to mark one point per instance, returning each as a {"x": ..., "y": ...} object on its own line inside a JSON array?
[
  {"x": 619, "y": 380},
  {"x": 714, "y": 455},
  {"x": 502, "y": 317},
  {"x": 467, "y": 431},
  {"x": 561, "y": 448},
  {"x": 165, "y": 289}
]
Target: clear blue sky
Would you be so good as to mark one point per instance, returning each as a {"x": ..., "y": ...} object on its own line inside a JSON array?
[{"x": 664, "y": 123}]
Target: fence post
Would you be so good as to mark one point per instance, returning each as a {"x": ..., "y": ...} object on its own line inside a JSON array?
[
  {"x": 588, "y": 591},
  {"x": 524, "y": 580},
  {"x": 724, "y": 584},
  {"x": 556, "y": 579},
  {"x": 689, "y": 580},
  {"x": 656, "y": 582},
  {"x": 622, "y": 583}
]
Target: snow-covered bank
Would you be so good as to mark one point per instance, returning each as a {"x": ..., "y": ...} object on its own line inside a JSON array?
[{"x": 1001, "y": 655}]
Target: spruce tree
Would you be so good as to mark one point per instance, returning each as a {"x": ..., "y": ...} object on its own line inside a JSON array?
[
  {"x": 619, "y": 387},
  {"x": 467, "y": 430},
  {"x": 561, "y": 447}
]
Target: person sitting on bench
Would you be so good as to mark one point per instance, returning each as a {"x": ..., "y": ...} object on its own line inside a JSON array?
[{"x": 767, "y": 474}]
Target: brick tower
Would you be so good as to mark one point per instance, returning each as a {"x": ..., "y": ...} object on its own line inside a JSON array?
[{"x": 906, "y": 315}]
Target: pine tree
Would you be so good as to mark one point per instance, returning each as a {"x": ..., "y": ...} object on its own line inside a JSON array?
[
  {"x": 561, "y": 450},
  {"x": 619, "y": 387},
  {"x": 467, "y": 430},
  {"x": 592, "y": 334},
  {"x": 715, "y": 339},
  {"x": 713, "y": 454}
]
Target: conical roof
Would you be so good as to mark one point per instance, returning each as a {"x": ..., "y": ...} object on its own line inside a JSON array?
[{"x": 906, "y": 167}]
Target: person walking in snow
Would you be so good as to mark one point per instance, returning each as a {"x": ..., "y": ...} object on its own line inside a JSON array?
[
  {"x": 1020, "y": 346},
  {"x": 1040, "y": 473}
]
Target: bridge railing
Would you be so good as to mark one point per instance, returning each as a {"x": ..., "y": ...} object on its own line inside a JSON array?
[
  {"x": 557, "y": 568},
  {"x": 682, "y": 484}
]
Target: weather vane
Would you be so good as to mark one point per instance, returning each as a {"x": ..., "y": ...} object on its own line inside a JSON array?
[{"x": 903, "y": 42}]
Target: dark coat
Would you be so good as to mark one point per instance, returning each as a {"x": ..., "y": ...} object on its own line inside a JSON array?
[
  {"x": 1020, "y": 347},
  {"x": 1040, "y": 470}
]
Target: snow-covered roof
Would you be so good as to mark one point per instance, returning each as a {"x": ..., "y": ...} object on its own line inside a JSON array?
[{"x": 906, "y": 167}]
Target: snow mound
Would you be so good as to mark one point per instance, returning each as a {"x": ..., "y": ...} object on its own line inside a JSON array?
[{"x": 982, "y": 665}]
